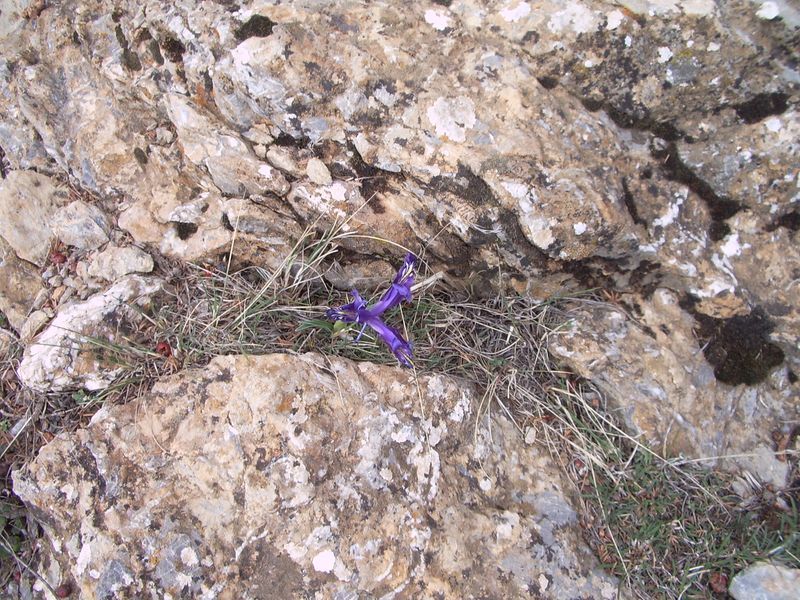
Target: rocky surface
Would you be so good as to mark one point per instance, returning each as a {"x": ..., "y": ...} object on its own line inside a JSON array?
[
  {"x": 69, "y": 352},
  {"x": 766, "y": 581},
  {"x": 283, "y": 476},
  {"x": 633, "y": 146}
]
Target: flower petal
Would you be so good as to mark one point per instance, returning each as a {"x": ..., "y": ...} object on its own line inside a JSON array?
[{"x": 392, "y": 338}]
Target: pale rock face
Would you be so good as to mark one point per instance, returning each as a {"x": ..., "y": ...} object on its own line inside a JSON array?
[
  {"x": 20, "y": 283},
  {"x": 284, "y": 476},
  {"x": 81, "y": 225},
  {"x": 27, "y": 203},
  {"x": 662, "y": 387},
  {"x": 115, "y": 262},
  {"x": 766, "y": 581},
  {"x": 559, "y": 146},
  {"x": 61, "y": 357}
]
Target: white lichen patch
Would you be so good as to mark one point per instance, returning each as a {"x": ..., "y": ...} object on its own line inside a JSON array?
[
  {"x": 324, "y": 561},
  {"x": 437, "y": 19},
  {"x": 768, "y": 11},
  {"x": 452, "y": 117},
  {"x": 515, "y": 11},
  {"x": 614, "y": 19},
  {"x": 773, "y": 124},
  {"x": 461, "y": 409},
  {"x": 576, "y": 17}
]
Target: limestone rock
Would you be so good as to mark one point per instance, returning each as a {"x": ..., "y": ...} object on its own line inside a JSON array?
[
  {"x": 33, "y": 325},
  {"x": 61, "y": 357},
  {"x": 27, "y": 203},
  {"x": 283, "y": 476},
  {"x": 20, "y": 283},
  {"x": 662, "y": 387},
  {"x": 766, "y": 581},
  {"x": 542, "y": 147},
  {"x": 318, "y": 172},
  {"x": 234, "y": 170},
  {"x": 115, "y": 262},
  {"x": 81, "y": 225}
]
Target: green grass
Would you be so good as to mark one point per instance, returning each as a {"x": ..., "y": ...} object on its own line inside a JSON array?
[{"x": 678, "y": 529}]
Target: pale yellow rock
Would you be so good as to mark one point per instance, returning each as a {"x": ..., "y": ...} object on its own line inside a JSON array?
[
  {"x": 318, "y": 172},
  {"x": 28, "y": 201},
  {"x": 286, "y": 476}
]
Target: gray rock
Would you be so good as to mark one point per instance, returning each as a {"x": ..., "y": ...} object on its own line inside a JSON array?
[
  {"x": 284, "y": 476},
  {"x": 81, "y": 225},
  {"x": 61, "y": 357},
  {"x": 544, "y": 148},
  {"x": 766, "y": 581}
]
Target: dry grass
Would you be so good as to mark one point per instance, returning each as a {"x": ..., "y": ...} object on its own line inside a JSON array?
[{"x": 670, "y": 530}]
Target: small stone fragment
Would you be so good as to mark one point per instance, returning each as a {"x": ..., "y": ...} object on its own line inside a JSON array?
[
  {"x": 20, "y": 284},
  {"x": 32, "y": 325},
  {"x": 766, "y": 581},
  {"x": 318, "y": 172},
  {"x": 81, "y": 225},
  {"x": 115, "y": 262},
  {"x": 27, "y": 202}
]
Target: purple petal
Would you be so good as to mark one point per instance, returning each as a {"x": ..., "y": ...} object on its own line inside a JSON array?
[{"x": 392, "y": 338}]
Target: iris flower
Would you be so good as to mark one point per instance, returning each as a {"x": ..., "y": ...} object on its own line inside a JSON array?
[{"x": 358, "y": 312}]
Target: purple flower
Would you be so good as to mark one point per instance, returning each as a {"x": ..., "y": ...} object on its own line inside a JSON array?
[{"x": 358, "y": 312}]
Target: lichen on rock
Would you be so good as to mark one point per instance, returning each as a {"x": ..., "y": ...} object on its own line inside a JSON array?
[{"x": 283, "y": 475}]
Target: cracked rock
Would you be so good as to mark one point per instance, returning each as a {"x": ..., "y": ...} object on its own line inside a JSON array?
[{"x": 286, "y": 476}]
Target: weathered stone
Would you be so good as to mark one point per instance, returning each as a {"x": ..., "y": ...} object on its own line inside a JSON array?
[
  {"x": 283, "y": 476},
  {"x": 663, "y": 389},
  {"x": 7, "y": 341},
  {"x": 115, "y": 262},
  {"x": 81, "y": 225},
  {"x": 62, "y": 356},
  {"x": 542, "y": 148},
  {"x": 766, "y": 581},
  {"x": 19, "y": 285},
  {"x": 318, "y": 173},
  {"x": 27, "y": 203},
  {"x": 33, "y": 325},
  {"x": 233, "y": 168}
]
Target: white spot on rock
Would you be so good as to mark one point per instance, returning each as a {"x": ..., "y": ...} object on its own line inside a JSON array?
[
  {"x": 713, "y": 47},
  {"x": 768, "y": 11},
  {"x": 516, "y": 12},
  {"x": 188, "y": 557},
  {"x": 452, "y": 117},
  {"x": 436, "y": 19},
  {"x": 615, "y": 18},
  {"x": 628, "y": 41},
  {"x": 324, "y": 561},
  {"x": 577, "y": 17},
  {"x": 773, "y": 124},
  {"x": 664, "y": 54},
  {"x": 579, "y": 228},
  {"x": 516, "y": 189}
]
